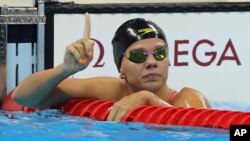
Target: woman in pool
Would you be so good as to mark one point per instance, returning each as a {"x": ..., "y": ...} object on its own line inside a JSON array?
[{"x": 141, "y": 56}]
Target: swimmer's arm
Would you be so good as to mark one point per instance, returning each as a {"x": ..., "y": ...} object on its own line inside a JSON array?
[
  {"x": 38, "y": 87},
  {"x": 104, "y": 88},
  {"x": 191, "y": 98},
  {"x": 49, "y": 88},
  {"x": 134, "y": 100},
  {"x": 43, "y": 89}
]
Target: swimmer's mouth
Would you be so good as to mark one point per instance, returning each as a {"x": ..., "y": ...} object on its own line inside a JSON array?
[{"x": 151, "y": 76}]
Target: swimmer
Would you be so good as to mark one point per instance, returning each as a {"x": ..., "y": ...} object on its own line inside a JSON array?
[{"x": 140, "y": 53}]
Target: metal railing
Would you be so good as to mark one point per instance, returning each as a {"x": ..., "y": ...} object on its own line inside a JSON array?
[{"x": 21, "y": 42}]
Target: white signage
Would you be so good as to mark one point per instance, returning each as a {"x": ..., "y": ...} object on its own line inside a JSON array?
[{"x": 208, "y": 51}]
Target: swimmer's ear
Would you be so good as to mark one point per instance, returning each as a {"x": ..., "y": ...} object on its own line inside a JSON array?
[
  {"x": 122, "y": 76},
  {"x": 121, "y": 70}
]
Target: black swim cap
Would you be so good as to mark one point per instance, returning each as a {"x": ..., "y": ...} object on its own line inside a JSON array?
[{"x": 131, "y": 31}]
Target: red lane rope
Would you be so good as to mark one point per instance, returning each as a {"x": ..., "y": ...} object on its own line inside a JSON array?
[{"x": 98, "y": 110}]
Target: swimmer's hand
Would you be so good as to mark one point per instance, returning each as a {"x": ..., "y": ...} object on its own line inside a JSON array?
[
  {"x": 120, "y": 108},
  {"x": 79, "y": 54}
]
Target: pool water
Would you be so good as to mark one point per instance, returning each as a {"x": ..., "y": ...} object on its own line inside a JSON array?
[{"x": 56, "y": 125}]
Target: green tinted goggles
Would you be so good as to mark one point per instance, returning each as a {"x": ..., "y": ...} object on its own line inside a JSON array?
[{"x": 139, "y": 56}]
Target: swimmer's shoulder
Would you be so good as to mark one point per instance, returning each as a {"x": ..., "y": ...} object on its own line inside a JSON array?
[
  {"x": 187, "y": 92},
  {"x": 190, "y": 97}
]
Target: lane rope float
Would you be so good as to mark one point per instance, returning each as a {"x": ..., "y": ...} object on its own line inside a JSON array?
[{"x": 98, "y": 110}]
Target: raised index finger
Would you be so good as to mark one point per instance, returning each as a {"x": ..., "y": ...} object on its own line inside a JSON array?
[{"x": 87, "y": 26}]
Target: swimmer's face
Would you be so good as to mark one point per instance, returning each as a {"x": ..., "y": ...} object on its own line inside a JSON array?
[{"x": 150, "y": 74}]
